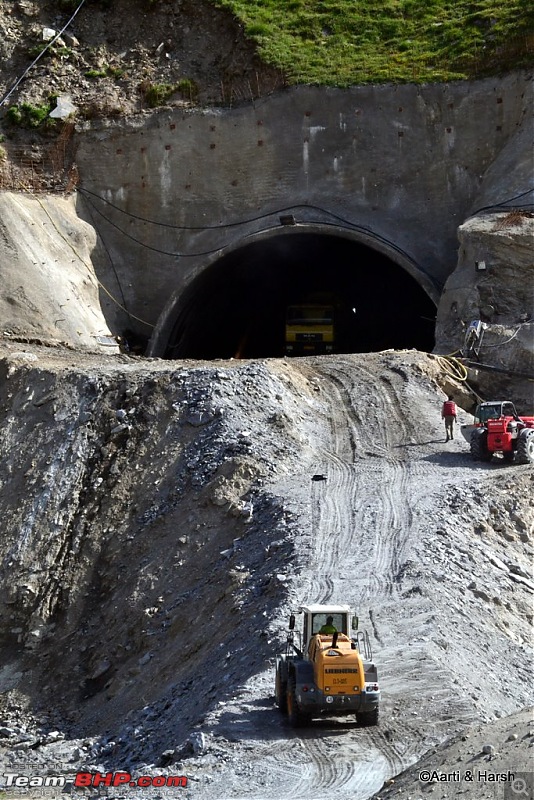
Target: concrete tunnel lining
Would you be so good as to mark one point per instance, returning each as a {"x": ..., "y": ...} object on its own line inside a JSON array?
[{"x": 233, "y": 305}]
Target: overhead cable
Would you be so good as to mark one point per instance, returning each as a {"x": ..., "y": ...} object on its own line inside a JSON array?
[
  {"x": 90, "y": 272},
  {"x": 352, "y": 225},
  {"x": 502, "y": 207},
  {"x": 41, "y": 54},
  {"x": 477, "y": 365}
]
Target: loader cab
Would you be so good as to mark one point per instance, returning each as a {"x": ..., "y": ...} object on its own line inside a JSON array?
[
  {"x": 339, "y": 621},
  {"x": 315, "y": 617},
  {"x": 494, "y": 410}
]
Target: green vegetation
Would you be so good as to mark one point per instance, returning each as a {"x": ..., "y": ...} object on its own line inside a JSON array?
[
  {"x": 156, "y": 94},
  {"x": 54, "y": 51},
  {"x": 188, "y": 89},
  {"x": 96, "y": 73},
  {"x": 344, "y": 42},
  {"x": 105, "y": 72},
  {"x": 28, "y": 116}
]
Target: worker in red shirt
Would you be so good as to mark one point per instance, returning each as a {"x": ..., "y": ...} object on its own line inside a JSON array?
[{"x": 448, "y": 413}]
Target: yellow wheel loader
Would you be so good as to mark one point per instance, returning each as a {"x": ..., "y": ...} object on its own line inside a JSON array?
[{"x": 325, "y": 670}]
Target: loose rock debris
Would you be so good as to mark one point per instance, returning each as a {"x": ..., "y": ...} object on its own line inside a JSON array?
[{"x": 148, "y": 573}]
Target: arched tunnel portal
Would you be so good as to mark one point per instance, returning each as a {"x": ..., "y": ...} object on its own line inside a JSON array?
[{"x": 236, "y": 307}]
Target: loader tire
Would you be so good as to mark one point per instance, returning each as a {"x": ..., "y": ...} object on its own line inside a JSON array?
[
  {"x": 525, "y": 447},
  {"x": 280, "y": 692},
  {"x": 368, "y": 717},
  {"x": 294, "y": 715},
  {"x": 479, "y": 445}
]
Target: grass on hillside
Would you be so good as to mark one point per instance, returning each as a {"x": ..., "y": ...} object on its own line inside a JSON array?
[{"x": 344, "y": 42}]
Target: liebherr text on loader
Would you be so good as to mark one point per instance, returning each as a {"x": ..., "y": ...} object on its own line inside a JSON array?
[{"x": 327, "y": 674}]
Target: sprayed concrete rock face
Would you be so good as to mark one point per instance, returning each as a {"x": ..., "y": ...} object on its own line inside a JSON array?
[
  {"x": 493, "y": 284},
  {"x": 48, "y": 287}
]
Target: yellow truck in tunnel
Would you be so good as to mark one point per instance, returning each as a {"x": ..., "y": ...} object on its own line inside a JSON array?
[{"x": 310, "y": 329}]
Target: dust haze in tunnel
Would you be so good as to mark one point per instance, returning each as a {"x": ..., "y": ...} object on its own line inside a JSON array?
[{"x": 237, "y": 306}]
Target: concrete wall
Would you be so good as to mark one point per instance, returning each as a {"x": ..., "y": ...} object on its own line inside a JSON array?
[{"x": 399, "y": 165}]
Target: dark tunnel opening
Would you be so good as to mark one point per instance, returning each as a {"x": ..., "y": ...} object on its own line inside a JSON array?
[{"x": 237, "y": 307}]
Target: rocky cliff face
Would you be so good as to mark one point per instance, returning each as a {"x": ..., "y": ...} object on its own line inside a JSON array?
[
  {"x": 49, "y": 291},
  {"x": 106, "y": 66},
  {"x": 493, "y": 285},
  {"x": 117, "y": 471}
]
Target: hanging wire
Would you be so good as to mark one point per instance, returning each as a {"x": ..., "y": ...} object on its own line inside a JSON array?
[
  {"x": 338, "y": 219},
  {"x": 41, "y": 54},
  {"x": 90, "y": 272}
]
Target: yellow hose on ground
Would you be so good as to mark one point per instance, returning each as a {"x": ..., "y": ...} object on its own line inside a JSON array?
[{"x": 452, "y": 367}]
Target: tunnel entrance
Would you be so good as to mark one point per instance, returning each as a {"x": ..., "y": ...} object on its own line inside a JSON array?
[{"x": 237, "y": 306}]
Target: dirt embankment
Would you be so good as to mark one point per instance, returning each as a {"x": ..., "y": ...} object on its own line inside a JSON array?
[{"x": 160, "y": 524}]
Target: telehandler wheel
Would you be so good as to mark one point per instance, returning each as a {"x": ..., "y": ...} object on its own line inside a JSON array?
[
  {"x": 295, "y": 716},
  {"x": 479, "y": 445},
  {"x": 525, "y": 447},
  {"x": 280, "y": 692},
  {"x": 368, "y": 717}
]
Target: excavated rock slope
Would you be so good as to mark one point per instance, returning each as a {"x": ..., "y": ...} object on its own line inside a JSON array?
[
  {"x": 112, "y": 52},
  {"x": 160, "y": 523}
]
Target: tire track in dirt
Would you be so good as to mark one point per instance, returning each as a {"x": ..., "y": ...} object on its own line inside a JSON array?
[
  {"x": 369, "y": 523},
  {"x": 355, "y": 770},
  {"x": 365, "y": 512},
  {"x": 336, "y": 771},
  {"x": 360, "y": 520}
]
